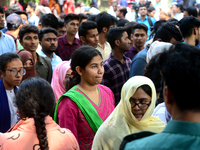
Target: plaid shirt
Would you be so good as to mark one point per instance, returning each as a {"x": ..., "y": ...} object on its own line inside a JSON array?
[
  {"x": 116, "y": 74},
  {"x": 65, "y": 50}
]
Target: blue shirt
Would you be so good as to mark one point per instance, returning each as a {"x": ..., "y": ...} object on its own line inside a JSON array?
[
  {"x": 145, "y": 21},
  {"x": 55, "y": 60},
  {"x": 34, "y": 20},
  {"x": 7, "y": 44},
  {"x": 138, "y": 63},
  {"x": 177, "y": 135}
]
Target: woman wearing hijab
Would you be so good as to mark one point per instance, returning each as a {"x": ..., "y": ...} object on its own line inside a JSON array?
[
  {"x": 133, "y": 114},
  {"x": 61, "y": 73},
  {"x": 28, "y": 63}
]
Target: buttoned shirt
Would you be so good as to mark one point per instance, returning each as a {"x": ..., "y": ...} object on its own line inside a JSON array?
[
  {"x": 116, "y": 74},
  {"x": 177, "y": 135},
  {"x": 65, "y": 49},
  {"x": 7, "y": 44},
  {"x": 55, "y": 59},
  {"x": 106, "y": 51}
]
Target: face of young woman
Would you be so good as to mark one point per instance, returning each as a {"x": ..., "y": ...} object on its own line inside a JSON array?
[
  {"x": 142, "y": 98},
  {"x": 9, "y": 80},
  {"x": 93, "y": 72}
]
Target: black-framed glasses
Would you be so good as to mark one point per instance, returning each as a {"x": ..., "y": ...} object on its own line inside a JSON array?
[
  {"x": 14, "y": 72},
  {"x": 142, "y": 106}
]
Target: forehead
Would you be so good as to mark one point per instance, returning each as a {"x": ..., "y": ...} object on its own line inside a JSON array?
[
  {"x": 142, "y": 8},
  {"x": 124, "y": 34},
  {"x": 92, "y": 31},
  {"x": 49, "y": 35},
  {"x": 139, "y": 31},
  {"x": 74, "y": 21},
  {"x": 31, "y": 34},
  {"x": 15, "y": 63},
  {"x": 23, "y": 16}
]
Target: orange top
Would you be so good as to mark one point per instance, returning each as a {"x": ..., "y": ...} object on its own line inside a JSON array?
[{"x": 23, "y": 136}]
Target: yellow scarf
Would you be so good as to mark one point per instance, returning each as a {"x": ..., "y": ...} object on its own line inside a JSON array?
[{"x": 122, "y": 122}]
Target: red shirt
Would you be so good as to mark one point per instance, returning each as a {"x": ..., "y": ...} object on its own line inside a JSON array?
[{"x": 65, "y": 49}]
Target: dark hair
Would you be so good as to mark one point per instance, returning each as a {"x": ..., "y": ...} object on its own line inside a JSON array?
[
  {"x": 122, "y": 22},
  {"x": 28, "y": 29},
  {"x": 60, "y": 23},
  {"x": 142, "y": 5},
  {"x": 85, "y": 26},
  {"x": 70, "y": 17},
  {"x": 115, "y": 34},
  {"x": 173, "y": 21},
  {"x": 150, "y": 9},
  {"x": 168, "y": 31},
  {"x": 19, "y": 12},
  {"x": 156, "y": 26},
  {"x": 11, "y": 10},
  {"x": 123, "y": 10},
  {"x": 1, "y": 10},
  {"x": 187, "y": 24},
  {"x": 105, "y": 20},
  {"x": 191, "y": 11},
  {"x": 81, "y": 57},
  {"x": 180, "y": 5},
  {"x": 92, "y": 18},
  {"x": 140, "y": 26},
  {"x": 35, "y": 99},
  {"x": 180, "y": 71},
  {"x": 45, "y": 31},
  {"x": 82, "y": 16},
  {"x": 6, "y": 58},
  {"x": 129, "y": 27},
  {"x": 49, "y": 20},
  {"x": 62, "y": 16},
  {"x": 32, "y": 5},
  {"x": 147, "y": 89}
]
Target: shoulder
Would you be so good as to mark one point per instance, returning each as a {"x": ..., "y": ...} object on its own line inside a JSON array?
[{"x": 105, "y": 88}]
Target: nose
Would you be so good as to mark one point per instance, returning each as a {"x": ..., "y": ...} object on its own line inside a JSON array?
[{"x": 101, "y": 70}]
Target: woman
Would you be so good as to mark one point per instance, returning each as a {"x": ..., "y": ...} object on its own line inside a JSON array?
[
  {"x": 55, "y": 9},
  {"x": 133, "y": 114},
  {"x": 12, "y": 71},
  {"x": 61, "y": 73},
  {"x": 36, "y": 129},
  {"x": 86, "y": 104},
  {"x": 28, "y": 63}
]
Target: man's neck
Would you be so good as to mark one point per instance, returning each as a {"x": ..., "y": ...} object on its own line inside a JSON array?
[
  {"x": 102, "y": 39},
  {"x": 118, "y": 55},
  {"x": 32, "y": 13},
  {"x": 48, "y": 54},
  {"x": 34, "y": 56},
  {"x": 14, "y": 33},
  {"x": 190, "y": 40},
  {"x": 142, "y": 17},
  {"x": 138, "y": 48},
  {"x": 70, "y": 38}
]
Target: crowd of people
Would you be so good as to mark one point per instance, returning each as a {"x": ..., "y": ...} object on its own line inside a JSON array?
[{"x": 123, "y": 79}]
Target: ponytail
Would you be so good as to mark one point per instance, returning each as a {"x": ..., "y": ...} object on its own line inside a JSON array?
[{"x": 73, "y": 81}]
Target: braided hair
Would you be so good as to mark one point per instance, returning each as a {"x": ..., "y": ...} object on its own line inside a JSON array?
[{"x": 35, "y": 99}]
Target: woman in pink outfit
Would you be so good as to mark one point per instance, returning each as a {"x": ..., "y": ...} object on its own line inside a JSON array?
[
  {"x": 86, "y": 104},
  {"x": 36, "y": 129},
  {"x": 61, "y": 73}
]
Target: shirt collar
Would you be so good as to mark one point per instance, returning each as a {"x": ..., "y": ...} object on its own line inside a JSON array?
[
  {"x": 66, "y": 42},
  {"x": 2, "y": 34}
]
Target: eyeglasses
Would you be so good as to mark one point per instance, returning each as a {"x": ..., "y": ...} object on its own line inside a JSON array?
[
  {"x": 14, "y": 72},
  {"x": 142, "y": 106}
]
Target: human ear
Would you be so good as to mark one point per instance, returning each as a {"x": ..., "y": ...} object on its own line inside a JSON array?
[
  {"x": 83, "y": 40},
  {"x": 79, "y": 70},
  {"x": 117, "y": 42},
  {"x": 21, "y": 42},
  {"x": 105, "y": 30}
]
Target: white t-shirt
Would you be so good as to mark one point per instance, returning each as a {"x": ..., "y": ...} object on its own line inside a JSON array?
[{"x": 13, "y": 108}]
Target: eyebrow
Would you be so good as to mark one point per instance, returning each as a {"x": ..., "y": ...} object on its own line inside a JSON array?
[{"x": 139, "y": 99}]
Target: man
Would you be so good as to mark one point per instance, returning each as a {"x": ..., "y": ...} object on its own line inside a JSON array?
[
  {"x": 28, "y": 36},
  {"x": 166, "y": 33},
  {"x": 139, "y": 32},
  {"x": 61, "y": 28},
  {"x": 33, "y": 19},
  {"x": 49, "y": 44},
  {"x": 113, "y": 9},
  {"x": 14, "y": 23},
  {"x": 23, "y": 15},
  {"x": 121, "y": 12},
  {"x": 88, "y": 33},
  {"x": 104, "y": 23},
  {"x": 190, "y": 11},
  {"x": 189, "y": 27},
  {"x": 117, "y": 66},
  {"x": 7, "y": 43},
  {"x": 68, "y": 43},
  {"x": 148, "y": 21},
  {"x": 180, "y": 69},
  {"x": 165, "y": 14},
  {"x": 48, "y": 21}
]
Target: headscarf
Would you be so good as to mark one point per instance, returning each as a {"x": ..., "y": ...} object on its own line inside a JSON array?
[
  {"x": 30, "y": 71},
  {"x": 58, "y": 78},
  {"x": 122, "y": 122},
  {"x": 157, "y": 47}
]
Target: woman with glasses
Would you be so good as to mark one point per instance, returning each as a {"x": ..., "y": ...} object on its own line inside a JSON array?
[
  {"x": 12, "y": 71},
  {"x": 133, "y": 114}
]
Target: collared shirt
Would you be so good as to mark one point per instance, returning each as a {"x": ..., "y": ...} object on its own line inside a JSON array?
[
  {"x": 15, "y": 39},
  {"x": 65, "y": 49},
  {"x": 138, "y": 63},
  {"x": 7, "y": 44},
  {"x": 131, "y": 53},
  {"x": 115, "y": 75},
  {"x": 145, "y": 21},
  {"x": 106, "y": 51},
  {"x": 177, "y": 135},
  {"x": 55, "y": 59},
  {"x": 43, "y": 68}
]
